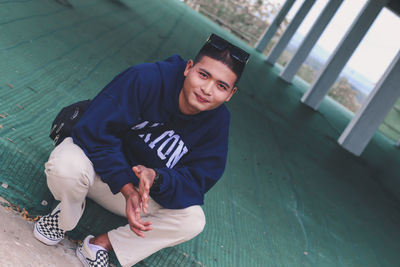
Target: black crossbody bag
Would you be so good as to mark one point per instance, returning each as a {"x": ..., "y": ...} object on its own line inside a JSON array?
[
  {"x": 66, "y": 120},
  {"x": 70, "y": 115}
]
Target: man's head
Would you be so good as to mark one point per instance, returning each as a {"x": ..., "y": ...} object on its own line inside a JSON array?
[
  {"x": 211, "y": 78},
  {"x": 221, "y": 50}
]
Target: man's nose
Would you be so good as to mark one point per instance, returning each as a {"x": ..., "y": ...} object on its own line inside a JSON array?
[{"x": 207, "y": 88}]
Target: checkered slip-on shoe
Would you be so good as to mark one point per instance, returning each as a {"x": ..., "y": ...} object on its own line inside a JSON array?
[
  {"x": 90, "y": 258},
  {"x": 46, "y": 228}
]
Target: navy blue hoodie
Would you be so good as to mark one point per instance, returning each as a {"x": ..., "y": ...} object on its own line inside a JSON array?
[{"x": 136, "y": 119}]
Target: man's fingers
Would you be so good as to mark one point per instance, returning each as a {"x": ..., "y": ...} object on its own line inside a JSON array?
[
  {"x": 138, "y": 169},
  {"x": 137, "y": 232},
  {"x": 147, "y": 224},
  {"x": 133, "y": 212},
  {"x": 145, "y": 200},
  {"x": 133, "y": 222},
  {"x": 137, "y": 222},
  {"x": 140, "y": 226},
  {"x": 144, "y": 195},
  {"x": 144, "y": 185},
  {"x": 144, "y": 226}
]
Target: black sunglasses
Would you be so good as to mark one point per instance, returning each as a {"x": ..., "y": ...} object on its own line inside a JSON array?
[{"x": 221, "y": 44}]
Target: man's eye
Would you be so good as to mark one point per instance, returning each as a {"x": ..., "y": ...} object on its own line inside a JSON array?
[
  {"x": 203, "y": 75},
  {"x": 222, "y": 86}
]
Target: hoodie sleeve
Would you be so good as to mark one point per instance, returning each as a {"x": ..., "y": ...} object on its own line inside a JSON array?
[
  {"x": 100, "y": 130},
  {"x": 186, "y": 183}
]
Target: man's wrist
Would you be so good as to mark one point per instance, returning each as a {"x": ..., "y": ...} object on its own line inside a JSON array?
[{"x": 127, "y": 189}]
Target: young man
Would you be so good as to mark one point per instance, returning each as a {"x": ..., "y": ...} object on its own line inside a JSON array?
[{"x": 149, "y": 146}]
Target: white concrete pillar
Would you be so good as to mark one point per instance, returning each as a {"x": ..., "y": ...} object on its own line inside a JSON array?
[
  {"x": 372, "y": 113},
  {"x": 309, "y": 41},
  {"x": 342, "y": 53},
  {"x": 290, "y": 30},
  {"x": 270, "y": 31}
]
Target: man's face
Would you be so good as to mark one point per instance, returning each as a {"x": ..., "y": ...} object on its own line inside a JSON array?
[{"x": 208, "y": 84}]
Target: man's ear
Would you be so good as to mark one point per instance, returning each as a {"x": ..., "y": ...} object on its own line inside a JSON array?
[
  {"x": 231, "y": 94},
  {"x": 189, "y": 65}
]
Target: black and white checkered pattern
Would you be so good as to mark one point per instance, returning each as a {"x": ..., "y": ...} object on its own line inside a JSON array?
[
  {"x": 101, "y": 259},
  {"x": 47, "y": 226}
]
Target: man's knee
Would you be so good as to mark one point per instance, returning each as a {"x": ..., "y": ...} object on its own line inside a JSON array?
[
  {"x": 193, "y": 222},
  {"x": 69, "y": 166}
]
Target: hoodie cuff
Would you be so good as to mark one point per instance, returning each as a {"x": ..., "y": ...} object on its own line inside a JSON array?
[
  {"x": 161, "y": 183},
  {"x": 122, "y": 178}
]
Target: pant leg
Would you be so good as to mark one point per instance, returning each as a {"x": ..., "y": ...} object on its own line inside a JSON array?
[
  {"x": 170, "y": 227},
  {"x": 69, "y": 175},
  {"x": 100, "y": 193}
]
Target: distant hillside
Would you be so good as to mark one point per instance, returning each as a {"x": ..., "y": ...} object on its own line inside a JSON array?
[
  {"x": 358, "y": 81},
  {"x": 318, "y": 58}
]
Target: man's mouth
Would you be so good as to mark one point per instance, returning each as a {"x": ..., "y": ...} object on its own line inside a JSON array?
[{"x": 201, "y": 99}]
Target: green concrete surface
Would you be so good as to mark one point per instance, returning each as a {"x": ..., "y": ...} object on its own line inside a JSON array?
[{"x": 290, "y": 195}]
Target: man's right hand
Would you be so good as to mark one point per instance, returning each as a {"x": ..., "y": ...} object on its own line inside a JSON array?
[{"x": 133, "y": 209}]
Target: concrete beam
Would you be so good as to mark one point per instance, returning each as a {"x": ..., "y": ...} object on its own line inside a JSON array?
[
  {"x": 309, "y": 41},
  {"x": 271, "y": 30},
  {"x": 343, "y": 52},
  {"x": 290, "y": 30},
  {"x": 362, "y": 127}
]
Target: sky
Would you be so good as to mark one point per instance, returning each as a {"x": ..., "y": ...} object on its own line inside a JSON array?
[{"x": 376, "y": 50}]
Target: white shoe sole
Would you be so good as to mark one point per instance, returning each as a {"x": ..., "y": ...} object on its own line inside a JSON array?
[
  {"x": 44, "y": 239},
  {"x": 81, "y": 257}
]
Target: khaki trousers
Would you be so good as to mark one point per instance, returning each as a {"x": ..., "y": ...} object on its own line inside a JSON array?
[{"x": 71, "y": 177}]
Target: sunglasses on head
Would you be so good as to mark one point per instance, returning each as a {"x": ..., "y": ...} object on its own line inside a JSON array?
[{"x": 221, "y": 44}]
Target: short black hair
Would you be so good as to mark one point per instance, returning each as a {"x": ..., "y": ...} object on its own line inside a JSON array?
[{"x": 224, "y": 56}]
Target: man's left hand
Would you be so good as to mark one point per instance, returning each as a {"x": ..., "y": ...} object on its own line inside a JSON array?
[{"x": 146, "y": 177}]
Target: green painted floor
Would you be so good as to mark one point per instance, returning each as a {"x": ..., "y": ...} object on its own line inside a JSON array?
[{"x": 290, "y": 196}]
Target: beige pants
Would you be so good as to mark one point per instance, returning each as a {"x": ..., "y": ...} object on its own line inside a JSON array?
[{"x": 71, "y": 177}]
